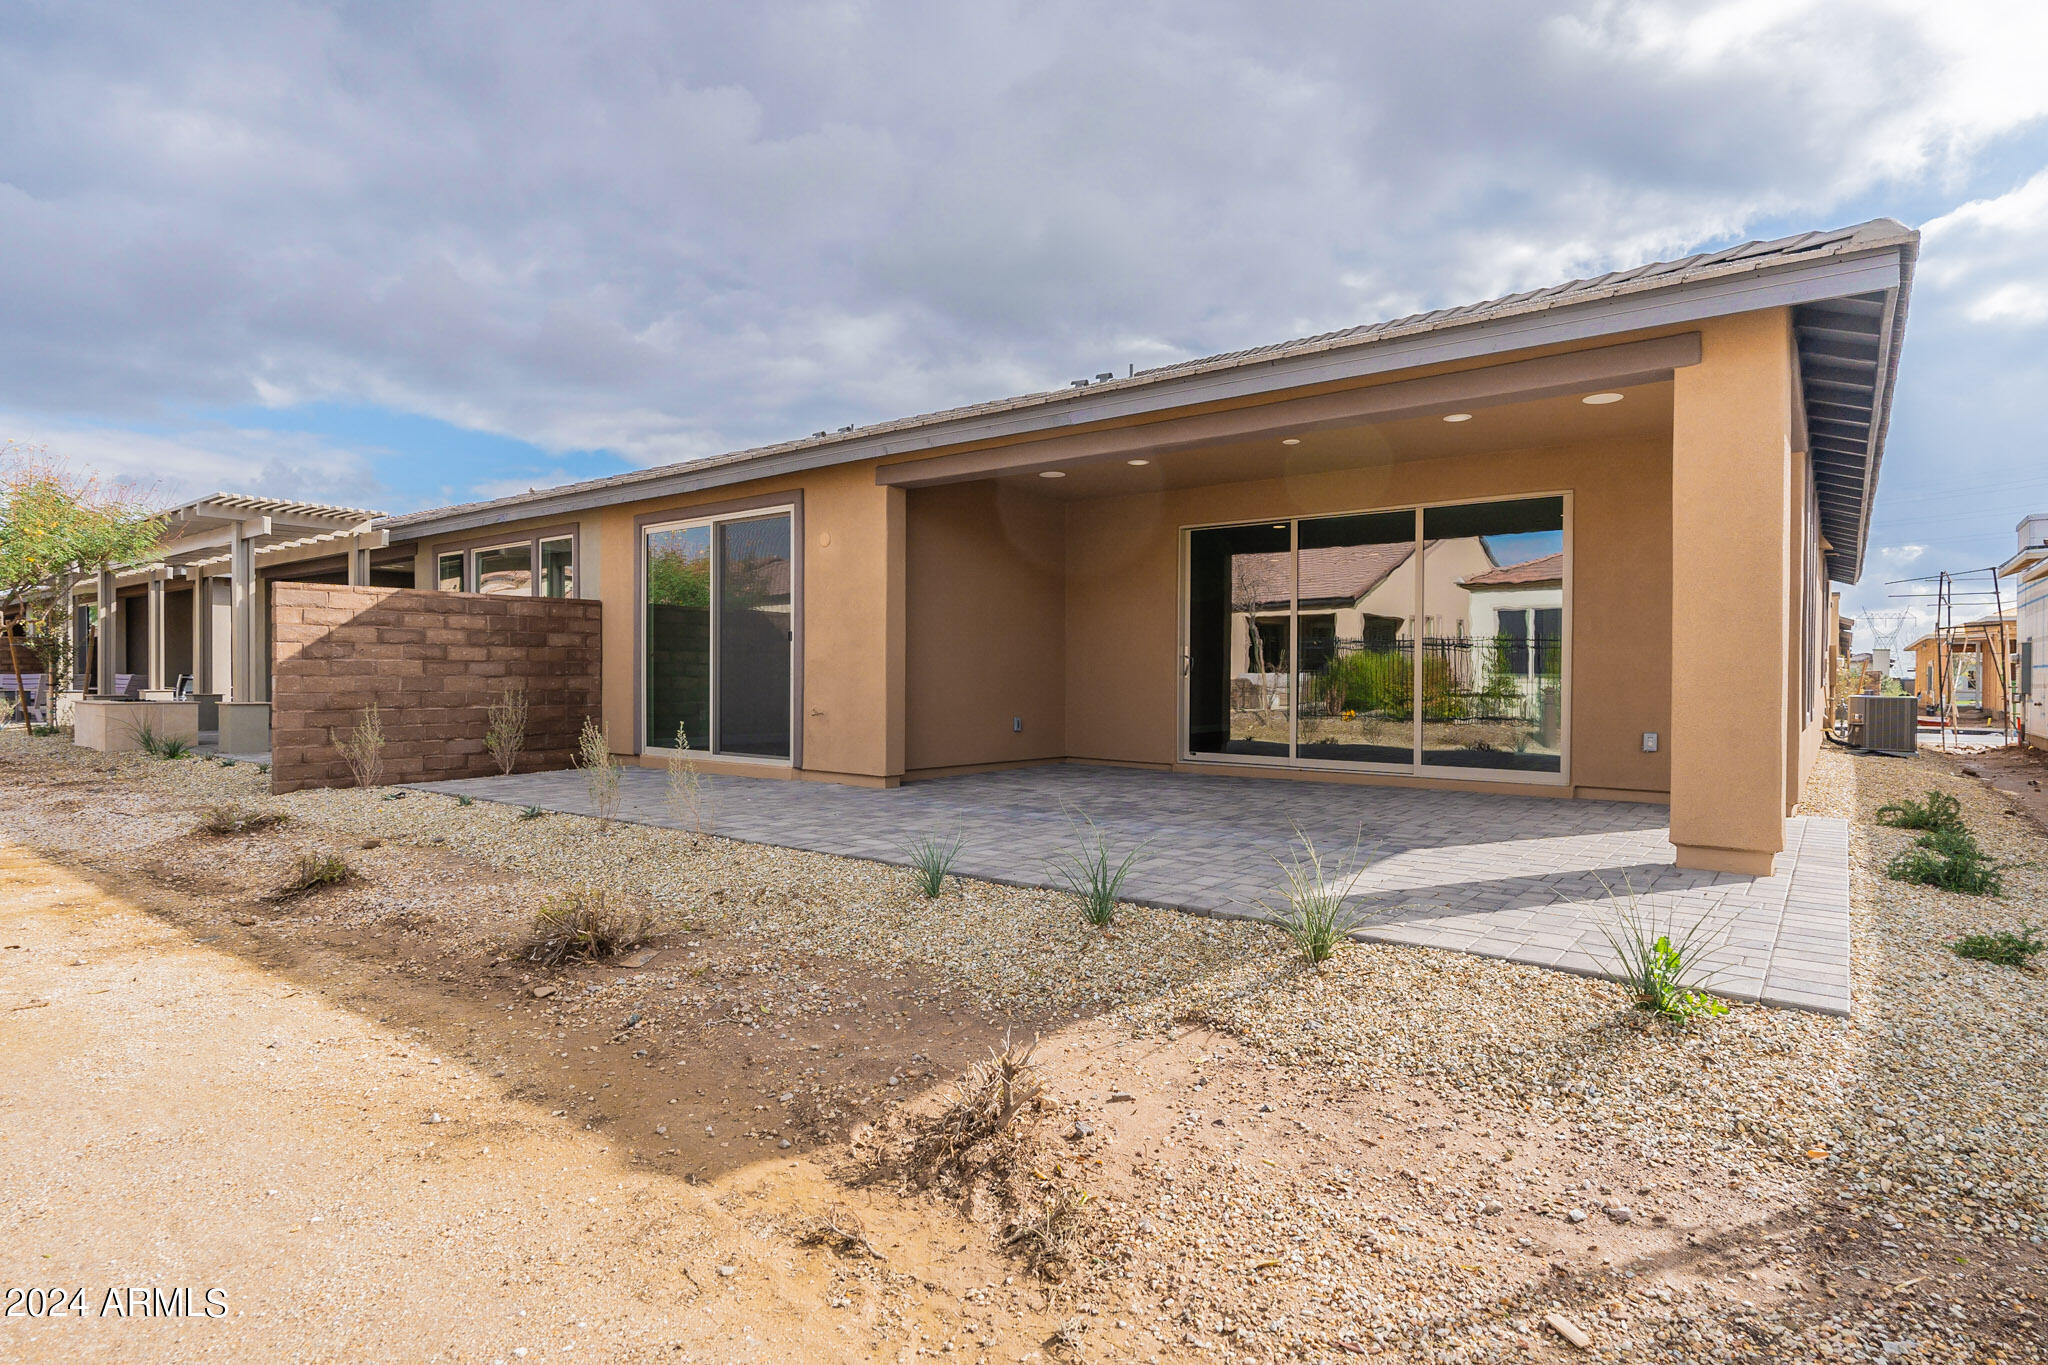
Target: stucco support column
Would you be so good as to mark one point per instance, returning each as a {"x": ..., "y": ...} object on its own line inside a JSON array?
[
  {"x": 104, "y": 623},
  {"x": 1732, "y": 517},
  {"x": 358, "y": 563},
  {"x": 895, "y": 518},
  {"x": 202, "y": 637},
  {"x": 158, "y": 645},
  {"x": 242, "y": 616}
]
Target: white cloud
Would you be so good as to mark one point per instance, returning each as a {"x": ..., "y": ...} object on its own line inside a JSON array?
[
  {"x": 219, "y": 459},
  {"x": 1990, "y": 256},
  {"x": 669, "y": 231}
]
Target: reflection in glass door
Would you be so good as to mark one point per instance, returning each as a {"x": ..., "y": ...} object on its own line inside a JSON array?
[
  {"x": 719, "y": 636},
  {"x": 1412, "y": 640},
  {"x": 1240, "y": 641}
]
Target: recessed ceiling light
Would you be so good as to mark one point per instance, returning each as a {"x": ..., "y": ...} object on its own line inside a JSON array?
[
  {"x": 1457, "y": 417},
  {"x": 1596, "y": 399},
  {"x": 1290, "y": 440},
  {"x": 1052, "y": 473},
  {"x": 1137, "y": 462}
]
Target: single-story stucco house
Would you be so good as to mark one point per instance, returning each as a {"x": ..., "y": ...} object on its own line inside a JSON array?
[{"x": 1508, "y": 547}]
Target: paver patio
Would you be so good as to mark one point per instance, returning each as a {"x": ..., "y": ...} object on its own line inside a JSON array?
[{"x": 1512, "y": 877}]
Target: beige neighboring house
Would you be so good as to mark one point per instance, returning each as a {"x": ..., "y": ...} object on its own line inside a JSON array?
[
  {"x": 1050, "y": 577},
  {"x": 2027, "y": 571}
]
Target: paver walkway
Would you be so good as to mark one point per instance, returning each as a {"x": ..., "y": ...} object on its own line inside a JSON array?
[{"x": 1515, "y": 877}]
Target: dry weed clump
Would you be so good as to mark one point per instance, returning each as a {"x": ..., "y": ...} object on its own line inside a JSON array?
[
  {"x": 1049, "y": 1234},
  {"x": 972, "y": 1134},
  {"x": 224, "y": 819},
  {"x": 589, "y": 924},
  {"x": 838, "y": 1230},
  {"x": 311, "y": 872}
]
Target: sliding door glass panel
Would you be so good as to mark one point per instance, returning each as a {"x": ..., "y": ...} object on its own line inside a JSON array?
[
  {"x": 755, "y": 636},
  {"x": 1493, "y": 640},
  {"x": 506, "y": 571},
  {"x": 1240, "y": 632},
  {"x": 1356, "y": 679},
  {"x": 558, "y": 568},
  {"x": 678, "y": 636}
]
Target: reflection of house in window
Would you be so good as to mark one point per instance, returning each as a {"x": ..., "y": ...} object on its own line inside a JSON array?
[
  {"x": 1521, "y": 607},
  {"x": 1353, "y": 597}
]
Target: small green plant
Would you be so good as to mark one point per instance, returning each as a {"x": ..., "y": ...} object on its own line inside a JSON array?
[
  {"x": 263, "y": 768},
  {"x": 160, "y": 746},
  {"x": 1659, "y": 962},
  {"x": 1937, "y": 810},
  {"x": 225, "y": 762},
  {"x": 362, "y": 749},
  {"x": 1093, "y": 873},
  {"x": 600, "y": 771},
  {"x": 587, "y": 923},
  {"x": 2006, "y": 948},
  {"x": 689, "y": 795},
  {"x": 465, "y": 800},
  {"x": 505, "y": 728},
  {"x": 931, "y": 860},
  {"x": 1313, "y": 911},
  {"x": 227, "y": 818},
  {"x": 1950, "y": 859},
  {"x": 313, "y": 871},
  {"x": 531, "y": 812}
]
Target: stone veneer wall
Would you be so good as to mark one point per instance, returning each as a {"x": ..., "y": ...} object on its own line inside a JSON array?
[{"x": 432, "y": 662}]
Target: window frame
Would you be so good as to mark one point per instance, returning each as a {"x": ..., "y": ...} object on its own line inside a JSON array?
[
  {"x": 790, "y": 504},
  {"x": 471, "y": 547},
  {"x": 1415, "y": 767}
]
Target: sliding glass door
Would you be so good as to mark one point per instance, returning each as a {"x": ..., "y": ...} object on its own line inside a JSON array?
[
  {"x": 719, "y": 635},
  {"x": 1412, "y": 640}
]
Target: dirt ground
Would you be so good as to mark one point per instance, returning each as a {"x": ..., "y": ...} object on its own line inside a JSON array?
[{"x": 379, "y": 1134}]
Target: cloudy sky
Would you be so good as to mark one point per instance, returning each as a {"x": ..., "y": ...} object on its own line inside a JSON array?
[{"x": 400, "y": 255}]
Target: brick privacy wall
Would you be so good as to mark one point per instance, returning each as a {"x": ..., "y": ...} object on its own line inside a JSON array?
[{"x": 432, "y": 662}]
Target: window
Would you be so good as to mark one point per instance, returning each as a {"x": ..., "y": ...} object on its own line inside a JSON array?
[
  {"x": 505, "y": 570},
  {"x": 719, "y": 635},
  {"x": 558, "y": 567},
  {"x": 1300, "y": 644},
  {"x": 543, "y": 565}
]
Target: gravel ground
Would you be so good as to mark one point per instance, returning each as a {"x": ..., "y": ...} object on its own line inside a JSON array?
[{"x": 1917, "y": 1122}]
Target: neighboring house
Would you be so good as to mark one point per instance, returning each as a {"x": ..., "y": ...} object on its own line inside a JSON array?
[
  {"x": 1689, "y": 449},
  {"x": 1983, "y": 657},
  {"x": 2029, "y": 569}
]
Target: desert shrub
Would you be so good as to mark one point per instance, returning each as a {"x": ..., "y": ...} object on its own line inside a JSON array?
[
  {"x": 226, "y": 818},
  {"x": 2002, "y": 946},
  {"x": 1382, "y": 682},
  {"x": 465, "y": 800},
  {"x": 1938, "y": 810},
  {"x": 1659, "y": 962},
  {"x": 689, "y": 795},
  {"x": 1950, "y": 859},
  {"x": 313, "y": 871},
  {"x": 1049, "y": 1232},
  {"x": 838, "y": 1229},
  {"x": 600, "y": 770},
  {"x": 505, "y": 728},
  {"x": 586, "y": 923},
  {"x": 531, "y": 812},
  {"x": 1313, "y": 910},
  {"x": 931, "y": 860},
  {"x": 985, "y": 1102},
  {"x": 363, "y": 748},
  {"x": 160, "y": 746},
  {"x": 1092, "y": 872}
]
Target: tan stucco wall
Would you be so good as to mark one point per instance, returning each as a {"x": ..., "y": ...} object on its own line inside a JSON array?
[
  {"x": 986, "y": 615},
  {"x": 1733, "y": 514},
  {"x": 1123, "y": 594},
  {"x": 852, "y": 619}
]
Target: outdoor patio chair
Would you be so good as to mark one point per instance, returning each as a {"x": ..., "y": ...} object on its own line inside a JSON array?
[{"x": 26, "y": 689}]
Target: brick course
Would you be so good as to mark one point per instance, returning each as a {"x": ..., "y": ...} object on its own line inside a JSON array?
[{"x": 432, "y": 662}]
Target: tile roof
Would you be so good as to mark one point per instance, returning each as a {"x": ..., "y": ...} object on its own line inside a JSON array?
[
  {"x": 1548, "y": 569},
  {"x": 1745, "y": 258},
  {"x": 1328, "y": 573}
]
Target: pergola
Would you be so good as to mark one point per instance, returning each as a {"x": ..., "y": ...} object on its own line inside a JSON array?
[{"x": 232, "y": 529}]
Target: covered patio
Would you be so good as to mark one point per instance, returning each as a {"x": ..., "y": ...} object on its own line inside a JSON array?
[{"x": 1494, "y": 874}]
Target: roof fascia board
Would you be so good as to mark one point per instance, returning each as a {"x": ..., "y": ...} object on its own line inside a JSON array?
[
  {"x": 1630, "y": 363},
  {"x": 1675, "y": 305}
]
